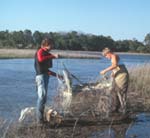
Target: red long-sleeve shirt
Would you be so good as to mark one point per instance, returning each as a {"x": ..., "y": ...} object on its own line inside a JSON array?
[
  {"x": 43, "y": 55},
  {"x": 43, "y": 61}
]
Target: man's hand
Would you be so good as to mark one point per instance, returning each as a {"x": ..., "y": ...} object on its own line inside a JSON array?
[
  {"x": 102, "y": 72},
  {"x": 56, "y": 55},
  {"x": 60, "y": 76}
]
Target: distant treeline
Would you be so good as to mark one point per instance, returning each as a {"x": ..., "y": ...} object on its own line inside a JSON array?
[{"x": 71, "y": 41}]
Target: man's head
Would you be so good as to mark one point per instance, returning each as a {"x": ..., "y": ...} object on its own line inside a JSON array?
[
  {"x": 106, "y": 52},
  {"x": 47, "y": 43}
]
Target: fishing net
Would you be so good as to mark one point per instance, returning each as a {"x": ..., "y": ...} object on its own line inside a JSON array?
[
  {"x": 86, "y": 99},
  {"x": 63, "y": 99}
]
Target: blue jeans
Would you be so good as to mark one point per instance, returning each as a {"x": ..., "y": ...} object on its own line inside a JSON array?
[{"x": 42, "y": 87}]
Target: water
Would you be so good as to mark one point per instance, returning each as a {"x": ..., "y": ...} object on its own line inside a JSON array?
[
  {"x": 17, "y": 79},
  {"x": 141, "y": 126},
  {"x": 137, "y": 129}
]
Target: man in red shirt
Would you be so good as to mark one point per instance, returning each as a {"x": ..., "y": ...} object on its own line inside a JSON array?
[{"x": 43, "y": 61}]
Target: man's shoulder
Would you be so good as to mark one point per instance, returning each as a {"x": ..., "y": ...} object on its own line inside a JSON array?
[
  {"x": 41, "y": 50},
  {"x": 114, "y": 55}
]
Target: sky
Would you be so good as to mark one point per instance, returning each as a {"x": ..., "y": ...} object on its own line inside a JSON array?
[{"x": 120, "y": 19}]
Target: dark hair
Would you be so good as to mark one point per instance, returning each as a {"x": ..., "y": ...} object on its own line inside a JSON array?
[{"x": 47, "y": 41}]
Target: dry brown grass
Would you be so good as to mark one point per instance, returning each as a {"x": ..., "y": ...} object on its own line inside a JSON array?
[
  {"x": 139, "y": 88},
  {"x": 140, "y": 79},
  {"x": 34, "y": 131},
  {"x": 29, "y": 53},
  {"x": 16, "y": 53}
]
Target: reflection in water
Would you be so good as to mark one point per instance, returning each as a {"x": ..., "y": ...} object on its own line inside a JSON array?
[
  {"x": 139, "y": 127},
  {"x": 108, "y": 133},
  {"x": 114, "y": 131}
]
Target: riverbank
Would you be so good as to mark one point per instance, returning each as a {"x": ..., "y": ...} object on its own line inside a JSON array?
[{"x": 29, "y": 53}]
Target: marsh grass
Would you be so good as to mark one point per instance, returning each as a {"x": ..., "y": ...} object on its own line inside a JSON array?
[
  {"x": 139, "y": 88},
  {"x": 29, "y": 53},
  {"x": 17, "y": 53},
  {"x": 140, "y": 79}
]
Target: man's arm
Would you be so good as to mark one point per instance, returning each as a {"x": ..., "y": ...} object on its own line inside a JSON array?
[
  {"x": 51, "y": 73},
  {"x": 113, "y": 66},
  {"x": 42, "y": 57}
]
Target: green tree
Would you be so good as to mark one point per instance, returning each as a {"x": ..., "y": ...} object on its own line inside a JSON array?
[
  {"x": 147, "y": 39},
  {"x": 141, "y": 49},
  {"x": 18, "y": 38},
  {"x": 37, "y": 38},
  {"x": 28, "y": 39}
]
